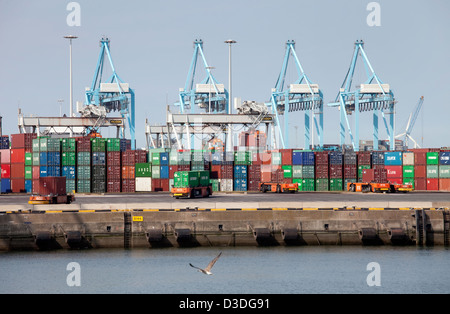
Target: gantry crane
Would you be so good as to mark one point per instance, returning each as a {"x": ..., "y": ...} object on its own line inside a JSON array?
[
  {"x": 301, "y": 95},
  {"x": 209, "y": 95},
  {"x": 111, "y": 95},
  {"x": 372, "y": 95},
  {"x": 410, "y": 124}
]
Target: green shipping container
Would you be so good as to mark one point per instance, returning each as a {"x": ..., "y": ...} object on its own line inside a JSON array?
[
  {"x": 299, "y": 182},
  {"x": 322, "y": 184},
  {"x": 53, "y": 145},
  {"x": 336, "y": 184},
  {"x": 43, "y": 146},
  {"x": 287, "y": 171},
  {"x": 297, "y": 172},
  {"x": 204, "y": 177},
  {"x": 308, "y": 185},
  {"x": 432, "y": 171},
  {"x": 68, "y": 158},
  {"x": 70, "y": 185},
  {"x": 444, "y": 171},
  {"x": 98, "y": 144},
  {"x": 409, "y": 181},
  {"x": 156, "y": 172},
  {"x": 432, "y": 158},
  {"x": 35, "y": 145},
  {"x": 408, "y": 171},
  {"x": 308, "y": 172},
  {"x": 215, "y": 184},
  {"x": 35, "y": 159},
  {"x": 360, "y": 170},
  {"x": 83, "y": 186},
  {"x": 242, "y": 158},
  {"x": 83, "y": 158},
  {"x": 113, "y": 144},
  {"x": 276, "y": 158},
  {"x": 28, "y": 159},
  {"x": 184, "y": 179},
  {"x": 155, "y": 159},
  {"x": 68, "y": 145},
  {"x": 84, "y": 173},
  {"x": 28, "y": 172},
  {"x": 143, "y": 170}
]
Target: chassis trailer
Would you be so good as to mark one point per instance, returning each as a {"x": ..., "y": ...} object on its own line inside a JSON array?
[
  {"x": 278, "y": 187},
  {"x": 51, "y": 199},
  {"x": 373, "y": 187}
]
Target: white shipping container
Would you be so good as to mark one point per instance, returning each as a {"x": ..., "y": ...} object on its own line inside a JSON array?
[
  {"x": 143, "y": 184},
  {"x": 408, "y": 159},
  {"x": 226, "y": 185}
]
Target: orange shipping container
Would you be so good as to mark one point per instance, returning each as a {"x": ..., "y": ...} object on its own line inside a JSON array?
[
  {"x": 18, "y": 155},
  {"x": 128, "y": 172},
  {"x": 444, "y": 184}
]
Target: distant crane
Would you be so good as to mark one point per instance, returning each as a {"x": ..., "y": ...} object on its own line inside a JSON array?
[
  {"x": 410, "y": 124},
  {"x": 372, "y": 95},
  {"x": 301, "y": 95},
  {"x": 112, "y": 95}
]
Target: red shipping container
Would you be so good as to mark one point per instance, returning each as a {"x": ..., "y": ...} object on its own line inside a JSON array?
[
  {"x": 140, "y": 156},
  {"x": 6, "y": 171},
  {"x": 22, "y": 140},
  {"x": 321, "y": 158},
  {"x": 83, "y": 144},
  {"x": 394, "y": 171},
  {"x": 444, "y": 185},
  {"x": 257, "y": 158},
  {"x": 5, "y": 155},
  {"x": 420, "y": 158},
  {"x": 113, "y": 158},
  {"x": 321, "y": 171},
  {"x": 35, "y": 186},
  {"x": 18, "y": 185},
  {"x": 227, "y": 171},
  {"x": 114, "y": 173},
  {"x": 216, "y": 172},
  {"x": 113, "y": 186},
  {"x": 165, "y": 185},
  {"x": 52, "y": 185},
  {"x": 253, "y": 185},
  {"x": 18, "y": 171},
  {"x": 36, "y": 172},
  {"x": 128, "y": 185},
  {"x": 266, "y": 158},
  {"x": 18, "y": 155},
  {"x": 156, "y": 185},
  {"x": 128, "y": 158},
  {"x": 286, "y": 156},
  {"x": 336, "y": 171},
  {"x": 420, "y": 171},
  {"x": 420, "y": 184},
  {"x": 432, "y": 184},
  {"x": 364, "y": 158},
  {"x": 254, "y": 172},
  {"x": 350, "y": 171}
]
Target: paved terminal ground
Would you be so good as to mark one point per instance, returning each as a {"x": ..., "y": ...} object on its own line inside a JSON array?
[{"x": 161, "y": 200}]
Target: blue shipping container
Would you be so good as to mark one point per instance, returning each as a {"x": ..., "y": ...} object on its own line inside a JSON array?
[
  {"x": 297, "y": 158},
  {"x": 43, "y": 171},
  {"x": 43, "y": 160},
  {"x": 164, "y": 172},
  {"x": 53, "y": 158},
  {"x": 28, "y": 186},
  {"x": 99, "y": 158},
  {"x": 240, "y": 185},
  {"x": 336, "y": 158},
  {"x": 240, "y": 172},
  {"x": 308, "y": 158},
  {"x": 378, "y": 158},
  {"x": 444, "y": 158},
  {"x": 393, "y": 158},
  {"x": 69, "y": 172},
  {"x": 6, "y": 186},
  {"x": 53, "y": 171},
  {"x": 164, "y": 159}
]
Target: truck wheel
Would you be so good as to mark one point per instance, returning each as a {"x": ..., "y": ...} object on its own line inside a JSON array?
[
  {"x": 278, "y": 189},
  {"x": 263, "y": 188},
  {"x": 208, "y": 193},
  {"x": 352, "y": 188}
]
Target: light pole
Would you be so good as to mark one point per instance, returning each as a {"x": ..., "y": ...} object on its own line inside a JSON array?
[
  {"x": 70, "y": 37},
  {"x": 230, "y": 98}
]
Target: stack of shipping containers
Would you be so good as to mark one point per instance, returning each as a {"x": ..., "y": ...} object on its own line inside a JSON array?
[
  {"x": 322, "y": 176},
  {"x": 364, "y": 162},
  {"x": 20, "y": 144},
  {"x": 98, "y": 170},
  {"x": 394, "y": 165},
  {"x": 83, "y": 172},
  {"x": 420, "y": 169},
  {"x": 350, "y": 168},
  {"x": 444, "y": 171},
  {"x": 128, "y": 171},
  {"x": 5, "y": 164},
  {"x": 113, "y": 165},
  {"x": 143, "y": 177},
  {"x": 336, "y": 171},
  {"x": 408, "y": 168},
  {"x": 68, "y": 162},
  {"x": 432, "y": 171}
]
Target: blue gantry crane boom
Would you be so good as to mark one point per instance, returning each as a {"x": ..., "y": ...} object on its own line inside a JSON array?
[
  {"x": 410, "y": 124},
  {"x": 112, "y": 94},
  {"x": 372, "y": 95},
  {"x": 301, "y": 95},
  {"x": 209, "y": 95}
]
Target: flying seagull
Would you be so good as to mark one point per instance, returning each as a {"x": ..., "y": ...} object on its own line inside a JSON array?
[{"x": 207, "y": 270}]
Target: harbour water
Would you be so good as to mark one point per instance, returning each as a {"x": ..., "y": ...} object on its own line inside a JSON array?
[{"x": 248, "y": 270}]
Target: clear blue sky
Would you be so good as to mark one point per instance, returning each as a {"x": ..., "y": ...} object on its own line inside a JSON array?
[{"x": 151, "y": 46}]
